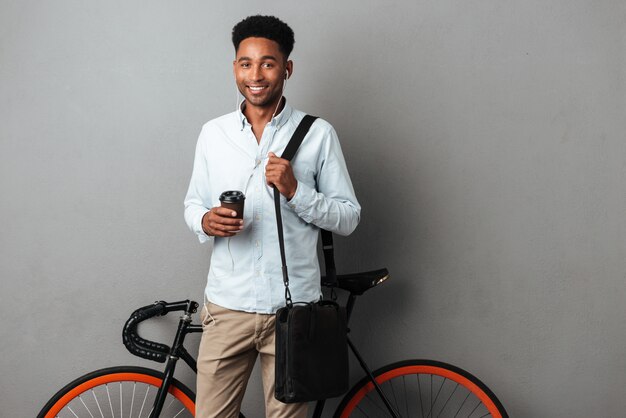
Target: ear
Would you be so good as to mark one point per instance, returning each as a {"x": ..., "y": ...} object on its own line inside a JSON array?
[
  {"x": 289, "y": 69},
  {"x": 234, "y": 67}
]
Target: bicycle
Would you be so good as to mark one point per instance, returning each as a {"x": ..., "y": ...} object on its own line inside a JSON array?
[{"x": 407, "y": 388}]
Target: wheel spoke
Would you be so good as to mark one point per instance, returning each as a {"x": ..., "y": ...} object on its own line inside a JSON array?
[
  {"x": 432, "y": 403},
  {"x": 461, "y": 407},
  {"x": 393, "y": 392},
  {"x": 97, "y": 403},
  {"x": 464, "y": 394},
  {"x": 431, "y": 395},
  {"x": 83, "y": 402},
  {"x": 362, "y": 411},
  {"x": 179, "y": 412},
  {"x": 406, "y": 398},
  {"x": 115, "y": 386},
  {"x": 132, "y": 401},
  {"x": 448, "y": 400},
  {"x": 73, "y": 413},
  {"x": 371, "y": 400},
  {"x": 170, "y": 404},
  {"x": 110, "y": 403},
  {"x": 474, "y": 410},
  {"x": 144, "y": 402},
  {"x": 419, "y": 388}
]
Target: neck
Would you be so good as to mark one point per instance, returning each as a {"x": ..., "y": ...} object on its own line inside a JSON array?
[{"x": 262, "y": 115}]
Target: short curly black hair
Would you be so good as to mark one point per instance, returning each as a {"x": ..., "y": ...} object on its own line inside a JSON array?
[{"x": 269, "y": 27}]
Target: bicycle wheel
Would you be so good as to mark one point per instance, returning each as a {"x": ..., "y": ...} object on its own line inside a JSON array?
[
  {"x": 119, "y": 392},
  {"x": 422, "y": 388}
]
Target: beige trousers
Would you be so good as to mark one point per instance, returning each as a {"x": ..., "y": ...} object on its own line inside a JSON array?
[{"x": 229, "y": 346}]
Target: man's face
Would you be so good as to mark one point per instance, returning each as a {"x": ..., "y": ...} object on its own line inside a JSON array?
[{"x": 259, "y": 69}]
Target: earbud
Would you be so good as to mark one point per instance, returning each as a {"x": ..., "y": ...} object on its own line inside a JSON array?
[{"x": 286, "y": 74}]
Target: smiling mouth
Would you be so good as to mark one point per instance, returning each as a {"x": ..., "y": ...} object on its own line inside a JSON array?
[{"x": 257, "y": 89}]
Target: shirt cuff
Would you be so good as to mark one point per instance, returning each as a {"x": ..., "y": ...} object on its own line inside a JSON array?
[
  {"x": 302, "y": 201},
  {"x": 202, "y": 236}
]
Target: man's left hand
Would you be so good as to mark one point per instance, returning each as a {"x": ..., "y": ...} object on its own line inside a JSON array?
[{"x": 279, "y": 173}]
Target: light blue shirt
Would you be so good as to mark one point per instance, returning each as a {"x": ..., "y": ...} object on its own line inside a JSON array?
[{"x": 245, "y": 271}]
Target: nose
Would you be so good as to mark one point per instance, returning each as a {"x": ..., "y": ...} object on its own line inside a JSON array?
[{"x": 256, "y": 74}]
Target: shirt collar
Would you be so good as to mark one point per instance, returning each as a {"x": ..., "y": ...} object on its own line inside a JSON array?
[{"x": 278, "y": 120}]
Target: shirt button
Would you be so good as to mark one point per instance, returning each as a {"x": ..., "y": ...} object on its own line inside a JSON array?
[
  {"x": 257, "y": 244},
  {"x": 258, "y": 217}
]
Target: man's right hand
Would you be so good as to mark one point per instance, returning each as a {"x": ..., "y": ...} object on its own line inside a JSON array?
[{"x": 221, "y": 222}]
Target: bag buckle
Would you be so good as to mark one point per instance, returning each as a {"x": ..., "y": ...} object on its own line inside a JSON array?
[{"x": 288, "y": 300}]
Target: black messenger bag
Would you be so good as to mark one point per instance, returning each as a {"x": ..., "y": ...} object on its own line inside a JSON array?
[{"x": 311, "y": 338}]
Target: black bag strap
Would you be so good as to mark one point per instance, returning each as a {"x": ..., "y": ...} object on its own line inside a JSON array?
[
  {"x": 329, "y": 258},
  {"x": 298, "y": 137},
  {"x": 327, "y": 237}
]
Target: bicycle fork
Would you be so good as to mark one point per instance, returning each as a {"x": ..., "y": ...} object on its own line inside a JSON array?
[
  {"x": 162, "y": 391},
  {"x": 177, "y": 351}
]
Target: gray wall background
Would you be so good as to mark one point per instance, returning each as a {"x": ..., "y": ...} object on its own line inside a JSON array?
[{"x": 485, "y": 140}]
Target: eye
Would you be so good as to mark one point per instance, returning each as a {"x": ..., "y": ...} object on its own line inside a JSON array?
[
  {"x": 267, "y": 65},
  {"x": 245, "y": 65}
]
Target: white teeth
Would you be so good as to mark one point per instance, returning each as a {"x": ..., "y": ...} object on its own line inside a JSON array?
[{"x": 256, "y": 88}]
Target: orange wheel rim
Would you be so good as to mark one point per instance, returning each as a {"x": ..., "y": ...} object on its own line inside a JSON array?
[
  {"x": 438, "y": 371},
  {"x": 118, "y": 377}
]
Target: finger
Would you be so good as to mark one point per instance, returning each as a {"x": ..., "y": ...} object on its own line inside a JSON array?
[
  {"x": 225, "y": 228},
  {"x": 222, "y": 233},
  {"x": 276, "y": 169},
  {"x": 272, "y": 175},
  {"x": 223, "y": 212},
  {"x": 215, "y": 230},
  {"x": 277, "y": 176},
  {"x": 275, "y": 182},
  {"x": 270, "y": 170},
  {"x": 273, "y": 159},
  {"x": 216, "y": 219}
]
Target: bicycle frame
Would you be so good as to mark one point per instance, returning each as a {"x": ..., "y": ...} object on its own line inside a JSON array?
[{"x": 178, "y": 351}]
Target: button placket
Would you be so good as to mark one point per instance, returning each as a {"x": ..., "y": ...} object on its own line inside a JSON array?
[
  {"x": 257, "y": 238},
  {"x": 261, "y": 283}
]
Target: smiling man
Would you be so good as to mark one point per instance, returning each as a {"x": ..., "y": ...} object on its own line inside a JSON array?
[{"x": 239, "y": 151}]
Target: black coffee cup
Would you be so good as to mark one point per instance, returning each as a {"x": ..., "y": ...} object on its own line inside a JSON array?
[{"x": 233, "y": 199}]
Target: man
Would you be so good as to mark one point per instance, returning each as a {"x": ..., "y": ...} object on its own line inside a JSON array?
[{"x": 240, "y": 151}]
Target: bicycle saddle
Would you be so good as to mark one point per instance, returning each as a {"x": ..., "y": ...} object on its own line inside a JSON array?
[{"x": 358, "y": 283}]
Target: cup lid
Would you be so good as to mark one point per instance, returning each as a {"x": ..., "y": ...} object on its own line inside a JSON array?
[{"x": 232, "y": 196}]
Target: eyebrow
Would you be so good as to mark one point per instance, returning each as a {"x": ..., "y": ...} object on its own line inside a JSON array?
[{"x": 264, "y": 57}]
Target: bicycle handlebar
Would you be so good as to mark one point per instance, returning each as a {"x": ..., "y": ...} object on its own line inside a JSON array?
[{"x": 147, "y": 349}]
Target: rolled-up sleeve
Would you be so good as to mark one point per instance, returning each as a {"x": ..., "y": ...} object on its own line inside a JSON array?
[
  {"x": 332, "y": 205},
  {"x": 197, "y": 200}
]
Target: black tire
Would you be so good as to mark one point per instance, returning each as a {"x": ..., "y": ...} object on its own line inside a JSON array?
[
  {"x": 114, "y": 382},
  {"x": 422, "y": 388},
  {"x": 72, "y": 400}
]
